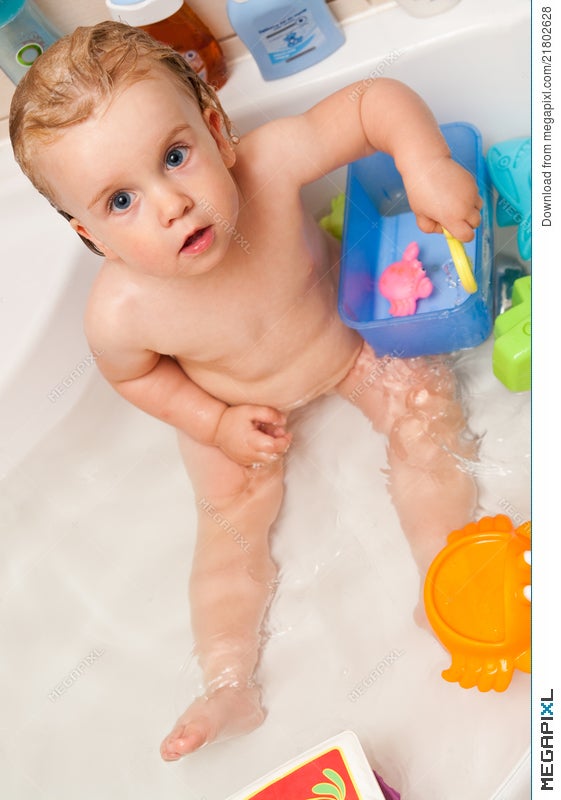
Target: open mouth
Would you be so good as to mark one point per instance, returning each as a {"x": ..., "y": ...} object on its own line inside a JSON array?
[{"x": 198, "y": 241}]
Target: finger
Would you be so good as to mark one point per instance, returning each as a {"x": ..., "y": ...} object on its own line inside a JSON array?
[
  {"x": 428, "y": 225},
  {"x": 460, "y": 230},
  {"x": 271, "y": 429},
  {"x": 474, "y": 218},
  {"x": 269, "y": 445},
  {"x": 281, "y": 444},
  {"x": 267, "y": 415},
  {"x": 279, "y": 432}
]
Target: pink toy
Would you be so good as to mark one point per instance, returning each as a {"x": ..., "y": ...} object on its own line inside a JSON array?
[{"x": 403, "y": 282}]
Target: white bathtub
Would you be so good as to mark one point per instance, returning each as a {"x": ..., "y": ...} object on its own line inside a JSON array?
[{"x": 98, "y": 519}]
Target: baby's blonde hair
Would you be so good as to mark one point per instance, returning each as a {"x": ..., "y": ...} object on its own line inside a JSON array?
[{"x": 66, "y": 84}]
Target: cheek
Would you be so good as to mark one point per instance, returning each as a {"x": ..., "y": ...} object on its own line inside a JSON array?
[
  {"x": 219, "y": 180},
  {"x": 235, "y": 202},
  {"x": 143, "y": 250},
  {"x": 231, "y": 196}
]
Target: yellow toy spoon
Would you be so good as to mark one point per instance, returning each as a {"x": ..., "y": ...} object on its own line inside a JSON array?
[{"x": 461, "y": 262}]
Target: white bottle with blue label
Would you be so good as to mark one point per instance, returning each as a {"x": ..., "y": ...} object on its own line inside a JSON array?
[
  {"x": 285, "y": 37},
  {"x": 24, "y": 34}
]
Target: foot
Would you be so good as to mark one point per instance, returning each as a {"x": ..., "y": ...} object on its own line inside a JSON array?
[{"x": 228, "y": 711}]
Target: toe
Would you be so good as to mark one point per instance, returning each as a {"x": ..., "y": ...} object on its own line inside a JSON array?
[{"x": 182, "y": 741}]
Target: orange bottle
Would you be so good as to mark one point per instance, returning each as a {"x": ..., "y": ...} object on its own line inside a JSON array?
[{"x": 174, "y": 23}]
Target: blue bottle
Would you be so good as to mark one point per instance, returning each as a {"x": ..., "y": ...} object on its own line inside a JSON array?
[
  {"x": 24, "y": 35},
  {"x": 285, "y": 37}
]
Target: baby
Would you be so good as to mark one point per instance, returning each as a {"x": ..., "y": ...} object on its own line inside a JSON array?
[{"x": 215, "y": 307}]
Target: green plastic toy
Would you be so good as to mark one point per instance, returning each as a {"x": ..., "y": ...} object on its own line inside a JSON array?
[
  {"x": 333, "y": 222},
  {"x": 513, "y": 339}
]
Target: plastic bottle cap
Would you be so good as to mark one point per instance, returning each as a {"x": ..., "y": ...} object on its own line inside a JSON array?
[
  {"x": 10, "y": 9},
  {"x": 145, "y": 12}
]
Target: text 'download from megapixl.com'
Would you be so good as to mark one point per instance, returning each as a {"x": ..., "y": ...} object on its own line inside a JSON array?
[
  {"x": 545, "y": 76},
  {"x": 546, "y": 432}
]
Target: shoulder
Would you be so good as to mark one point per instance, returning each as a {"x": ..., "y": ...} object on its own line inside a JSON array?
[
  {"x": 112, "y": 329},
  {"x": 108, "y": 308},
  {"x": 268, "y": 151}
]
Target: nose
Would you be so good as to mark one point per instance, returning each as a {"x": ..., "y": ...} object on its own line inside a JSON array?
[{"x": 171, "y": 200}]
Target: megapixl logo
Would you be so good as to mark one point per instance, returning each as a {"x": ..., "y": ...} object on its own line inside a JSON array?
[{"x": 546, "y": 742}]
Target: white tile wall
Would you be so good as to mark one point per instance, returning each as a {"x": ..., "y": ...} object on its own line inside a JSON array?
[{"x": 67, "y": 14}]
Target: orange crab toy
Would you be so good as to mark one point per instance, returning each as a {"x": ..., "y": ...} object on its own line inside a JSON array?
[{"x": 475, "y": 602}]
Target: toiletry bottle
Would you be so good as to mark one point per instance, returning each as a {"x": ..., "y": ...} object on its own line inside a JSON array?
[
  {"x": 426, "y": 8},
  {"x": 24, "y": 34},
  {"x": 175, "y": 24},
  {"x": 285, "y": 37}
]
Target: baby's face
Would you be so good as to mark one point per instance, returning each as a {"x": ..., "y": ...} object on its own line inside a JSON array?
[{"x": 147, "y": 180}]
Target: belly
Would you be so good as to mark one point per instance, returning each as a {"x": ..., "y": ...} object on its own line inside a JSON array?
[{"x": 286, "y": 383}]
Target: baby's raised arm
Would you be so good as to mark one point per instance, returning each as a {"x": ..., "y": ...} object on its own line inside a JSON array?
[{"x": 385, "y": 115}]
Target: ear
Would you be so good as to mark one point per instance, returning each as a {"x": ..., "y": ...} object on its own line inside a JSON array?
[
  {"x": 84, "y": 233},
  {"x": 214, "y": 123}
]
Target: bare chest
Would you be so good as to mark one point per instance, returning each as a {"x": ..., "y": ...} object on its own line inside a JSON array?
[{"x": 265, "y": 301}]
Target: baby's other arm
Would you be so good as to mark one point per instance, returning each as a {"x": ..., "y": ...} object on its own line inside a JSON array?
[
  {"x": 385, "y": 115},
  {"x": 156, "y": 383}
]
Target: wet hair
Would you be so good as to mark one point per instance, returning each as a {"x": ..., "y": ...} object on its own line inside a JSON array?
[{"x": 68, "y": 81}]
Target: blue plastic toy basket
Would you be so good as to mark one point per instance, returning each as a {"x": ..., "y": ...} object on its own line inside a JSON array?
[{"x": 378, "y": 227}]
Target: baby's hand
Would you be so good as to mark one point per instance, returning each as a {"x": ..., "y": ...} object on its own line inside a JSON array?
[
  {"x": 442, "y": 194},
  {"x": 252, "y": 435}
]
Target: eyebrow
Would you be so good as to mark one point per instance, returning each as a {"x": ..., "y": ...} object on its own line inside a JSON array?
[
  {"x": 170, "y": 136},
  {"x": 99, "y": 195}
]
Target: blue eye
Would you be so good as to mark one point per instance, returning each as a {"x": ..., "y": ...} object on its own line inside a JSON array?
[
  {"x": 176, "y": 156},
  {"x": 121, "y": 201}
]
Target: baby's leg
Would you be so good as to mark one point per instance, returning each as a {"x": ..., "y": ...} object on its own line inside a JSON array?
[
  {"x": 414, "y": 402},
  {"x": 232, "y": 582}
]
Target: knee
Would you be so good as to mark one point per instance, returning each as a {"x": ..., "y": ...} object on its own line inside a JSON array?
[
  {"x": 431, "y": 444},
  {"x": 262, "y": 488},
  {"x": 266, "y": 485},
  {"x": 250, "y": 503}
]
